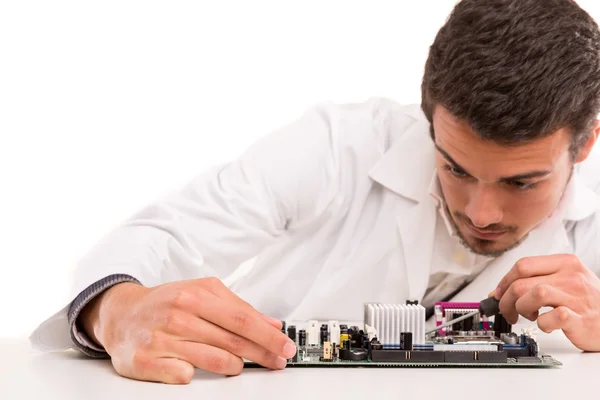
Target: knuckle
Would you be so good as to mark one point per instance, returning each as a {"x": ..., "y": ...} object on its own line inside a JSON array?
[
  {"x": 573, "y": 261},
  {"x": 158, "y": 341},
  {"x": 541, "y": 292},
  {"x": 579, "y": 281},
  {"x": 241, "y": 320},
  {"x": 562, "y": 313},
  {"x": 268, "y": 356},
  {"x": 181, "y": 299},
  {"x": 582, "y": 279},
  {"x": 174, "y": 322},
  {"x": 213, "y": 281},
  {"x": 216, "y": 363},
  {"x": 522, "y": 267},
  {"x": 236, "y": 344},
  {"x": 519, "y": 288}
]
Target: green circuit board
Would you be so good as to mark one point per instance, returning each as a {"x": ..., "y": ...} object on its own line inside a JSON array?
[
  {"x": 394, "y": 336},
  {"x": 314, "y": 361}
]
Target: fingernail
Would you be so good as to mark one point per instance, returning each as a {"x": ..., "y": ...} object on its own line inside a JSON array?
[
  {"x": 280, "y": 363},
  {"x": 289, "y": 350}
]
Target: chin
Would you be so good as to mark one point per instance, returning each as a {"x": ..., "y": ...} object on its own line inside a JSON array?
[{"x": 490, "y": 248}]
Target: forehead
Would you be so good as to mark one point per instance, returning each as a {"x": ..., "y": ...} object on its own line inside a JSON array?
[{"x": 490, "y": 159}]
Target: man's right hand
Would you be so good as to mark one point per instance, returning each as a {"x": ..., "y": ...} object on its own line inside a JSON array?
[{"x": 160, "y": 334}]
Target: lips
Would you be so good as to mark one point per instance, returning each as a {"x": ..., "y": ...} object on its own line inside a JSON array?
[{"x": 486, "y": 235}]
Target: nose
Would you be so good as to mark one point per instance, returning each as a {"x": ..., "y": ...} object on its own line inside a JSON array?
[{"x": 483, "y": 207}]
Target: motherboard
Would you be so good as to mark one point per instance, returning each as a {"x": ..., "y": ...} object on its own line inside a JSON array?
[{"x": 395, "y": 335}]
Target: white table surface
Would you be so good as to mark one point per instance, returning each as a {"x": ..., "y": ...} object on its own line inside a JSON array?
[{"x": 26, "y": 374}]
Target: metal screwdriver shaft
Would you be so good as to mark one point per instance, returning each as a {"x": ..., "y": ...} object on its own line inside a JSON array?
[
  {"x": 487, "y": 307},
  {"x": 452, "y": 322}
]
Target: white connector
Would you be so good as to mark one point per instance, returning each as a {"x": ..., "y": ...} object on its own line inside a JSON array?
[
  {"x": 370, "y": 331},
  {"x": 334, "y": 332},
  {"x": 312, "y": 333}
]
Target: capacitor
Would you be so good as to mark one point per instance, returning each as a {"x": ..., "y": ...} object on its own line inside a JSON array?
[
  {"x": 324, "y": 334},
  {"x": 364, "y": 341},
  {"x": 352, "y": 332},
  {"x": 406, "y": 341},
  {"x": 346, "y": 344},
  {"x": 344, "y": 335},
  {"x": 301, "y": 337},
  {"x": 501, "y": 325},
  {"x": 292, "y": 332}
]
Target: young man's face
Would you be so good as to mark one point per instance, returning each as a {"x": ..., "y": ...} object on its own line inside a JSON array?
[{"x": 497, "y": 194}]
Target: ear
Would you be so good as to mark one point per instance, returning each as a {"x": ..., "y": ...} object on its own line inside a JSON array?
[{"x": 585, "y": 150}]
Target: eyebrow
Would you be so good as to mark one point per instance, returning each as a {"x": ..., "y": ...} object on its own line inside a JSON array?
[{"x": 524, "y": 176}]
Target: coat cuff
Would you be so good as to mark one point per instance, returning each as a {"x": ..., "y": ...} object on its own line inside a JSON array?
[{"x": 81, "y": 341}]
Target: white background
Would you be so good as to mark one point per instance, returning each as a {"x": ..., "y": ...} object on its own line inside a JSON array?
[{"x": 107, "y": 105}]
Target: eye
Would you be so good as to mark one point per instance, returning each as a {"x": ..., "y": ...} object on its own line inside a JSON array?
[
  {"x": 520, "y": 185},
  {"x": 455, "y": 171}
]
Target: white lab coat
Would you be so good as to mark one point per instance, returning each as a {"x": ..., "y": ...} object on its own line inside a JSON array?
[{"x": 334, "y": 208}]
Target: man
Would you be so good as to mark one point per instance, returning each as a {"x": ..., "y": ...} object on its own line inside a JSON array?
[{"x": 491, "y": 185}]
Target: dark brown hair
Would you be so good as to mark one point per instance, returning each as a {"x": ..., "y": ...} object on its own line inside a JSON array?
[{"x": 516, "y": 70}]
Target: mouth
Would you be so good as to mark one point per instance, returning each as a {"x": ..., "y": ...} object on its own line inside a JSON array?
[{"x": 485, "y": 235}]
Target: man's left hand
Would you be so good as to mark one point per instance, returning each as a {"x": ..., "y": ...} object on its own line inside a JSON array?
[{"x": 559, "y": 281}]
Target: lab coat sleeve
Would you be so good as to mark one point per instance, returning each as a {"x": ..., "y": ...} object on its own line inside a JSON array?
[{"x": 221, "y": 218}]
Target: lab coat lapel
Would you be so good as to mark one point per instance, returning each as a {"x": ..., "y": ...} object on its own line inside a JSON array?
[
  {"x": 416, "y": 225},
  {"x": 406, "y": 169}
]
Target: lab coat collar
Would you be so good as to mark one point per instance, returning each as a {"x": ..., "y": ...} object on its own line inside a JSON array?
[
  {"x": 406, "y": 167},
  {"x": 580, "y": 200},
  {"x": 435, "y": 191}
]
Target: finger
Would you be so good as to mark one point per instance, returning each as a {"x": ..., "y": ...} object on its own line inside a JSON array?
[
  {"x": 218, "y": 288},
  {"x": 272, "y": 321},
  {"x": 559, "y": 318},
  {"x": 540, "y": 296},
  {"x": 164, "y": 370},
  {"x": 243, "y": 321},
  {"x": 193, "y": 329},
  {"x": 208, "y": 358},
  {"x": 517, "y": 290},
  {"x": 532, "y": 266}
]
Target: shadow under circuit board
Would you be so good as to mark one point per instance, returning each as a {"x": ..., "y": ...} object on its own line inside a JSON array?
[{"x": 394, "y": 336}]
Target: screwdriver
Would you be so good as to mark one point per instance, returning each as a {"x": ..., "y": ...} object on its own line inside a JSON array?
[{"x": 487, "y": 307}]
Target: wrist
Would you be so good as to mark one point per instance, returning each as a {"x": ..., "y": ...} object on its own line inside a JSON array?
[{"x": 97, "y": 318}]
